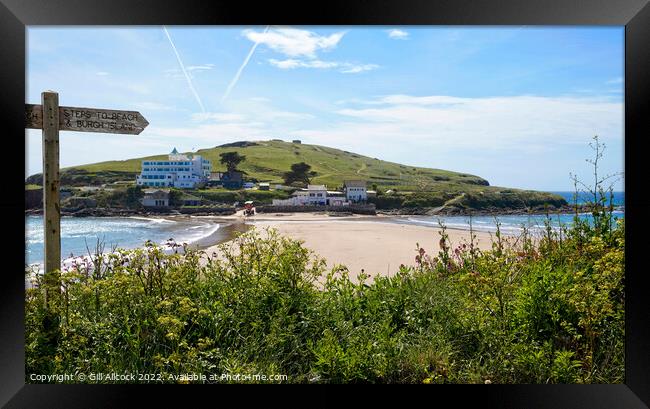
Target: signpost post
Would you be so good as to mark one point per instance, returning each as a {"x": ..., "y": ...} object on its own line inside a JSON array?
[
  {"x": 52, "y": 118},
  {"x": 51, "y": 208}
]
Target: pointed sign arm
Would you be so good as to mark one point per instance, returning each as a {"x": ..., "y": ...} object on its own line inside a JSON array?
[{"x": 89, "y": 120}]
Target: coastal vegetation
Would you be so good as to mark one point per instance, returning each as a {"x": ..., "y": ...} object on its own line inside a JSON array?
[
  {"x": 550, "y": 312},
  {"x": 545, "y": 308}
]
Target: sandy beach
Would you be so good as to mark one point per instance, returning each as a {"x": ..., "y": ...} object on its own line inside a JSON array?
[{"x": 372, "y": 243}]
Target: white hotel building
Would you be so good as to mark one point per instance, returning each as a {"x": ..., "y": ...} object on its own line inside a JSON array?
[{"x": 180, "y": 171}]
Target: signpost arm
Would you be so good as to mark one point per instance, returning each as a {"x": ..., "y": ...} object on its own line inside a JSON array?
[{"x": 51, "y": 207}]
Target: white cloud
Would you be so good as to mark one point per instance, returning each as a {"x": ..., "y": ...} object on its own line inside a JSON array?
[
  {"x": 354, "y": 69},
  {"x": 344, "y": 67},
  {"x": 411, "y": 100},
  {"x": 519, "y": 141},
  {"x": 617, "y": 80},
  {"x": 294, "y": 42},
  {"x": 261, "y": 114},
  {"x": 301, "y": 47},
  {"x": 292, "y": 63},
  {"x": 436, "y": 123},
  {"x": 286, "y": 115},
  {"x": 520, "y": 123},
  {"x": 211, "y": 134},
  {"x": 101, "y": 73},
  {"x": 398, "y": 34}
]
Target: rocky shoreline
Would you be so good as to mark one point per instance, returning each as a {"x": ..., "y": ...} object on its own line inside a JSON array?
[{"x": 425, "y": 211}]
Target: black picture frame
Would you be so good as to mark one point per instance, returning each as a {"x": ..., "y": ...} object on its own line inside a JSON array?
[{"x": 15, "y": 15}]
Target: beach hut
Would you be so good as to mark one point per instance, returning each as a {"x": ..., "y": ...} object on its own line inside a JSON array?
[{"x": 156, "y": 198}]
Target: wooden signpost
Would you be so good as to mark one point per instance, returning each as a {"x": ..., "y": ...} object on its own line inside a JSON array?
[{"x": 52, "y": 118}]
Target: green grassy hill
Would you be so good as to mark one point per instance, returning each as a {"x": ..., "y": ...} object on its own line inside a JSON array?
[{"x": 267, "y": 161}]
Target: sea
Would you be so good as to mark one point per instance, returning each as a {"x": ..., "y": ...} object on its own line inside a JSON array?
[
  {"x": 618, "y": 199},
  {"x": 79, "y": 235},
  {"x": 515, "y": 224}
]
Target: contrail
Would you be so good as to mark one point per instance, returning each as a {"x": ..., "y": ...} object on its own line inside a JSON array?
[
  {"x": 187, "y": 77},
  {"x": 234, "y": 80}
]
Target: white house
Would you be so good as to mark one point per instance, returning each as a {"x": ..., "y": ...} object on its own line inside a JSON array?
[
  {"x": 336, "y": 198},
  {"x": 292, "y": 201},
  {"x": 355, "y": 190},
  {"x": 313, "y": 195},
  {"x": 156, "y": 198},
  {"x": 181, "y": 171},
  {"x": 317, "y": 194}
]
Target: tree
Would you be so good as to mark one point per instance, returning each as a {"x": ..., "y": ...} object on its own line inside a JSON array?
[
  {"x": 175, "y": 197},
  {"x": 598, "y": 194},
  {"x": 300, "y": 172},
  {"x": 231, "y": 160},
  {"x": 133, "y": 196}
]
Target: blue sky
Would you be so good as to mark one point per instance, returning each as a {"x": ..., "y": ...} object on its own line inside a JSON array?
[{"x": 516, "y": 105}]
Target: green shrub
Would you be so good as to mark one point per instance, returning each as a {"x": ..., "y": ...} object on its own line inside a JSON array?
[{"x": 510, "y": 315}]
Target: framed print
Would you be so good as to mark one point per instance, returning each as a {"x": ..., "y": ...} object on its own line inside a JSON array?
[{"x": 446, "y": 194}]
